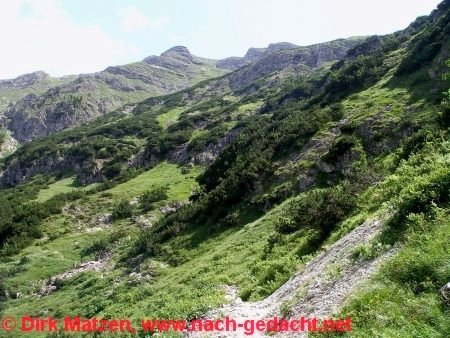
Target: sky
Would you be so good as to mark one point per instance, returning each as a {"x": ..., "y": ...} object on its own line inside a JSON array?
[{"x": 80, "y": 36}]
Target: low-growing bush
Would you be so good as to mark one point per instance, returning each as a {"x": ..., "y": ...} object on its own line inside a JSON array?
[
  {"x": 148, "y": 198},
  {"x": 97, "y": 248},
  {"x": 320, "y": 209},
  {"x": 122, "y": 210}
]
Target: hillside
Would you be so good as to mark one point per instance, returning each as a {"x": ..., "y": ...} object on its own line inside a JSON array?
[
  {"x": 308, "y": 181},
  {"x": 36, "y": 105},
  {"x": 73, "y": 100},
  {"x": 204, "y": 114}
]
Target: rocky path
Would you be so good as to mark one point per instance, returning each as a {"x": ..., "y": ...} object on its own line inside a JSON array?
[
  {"x": 51, "y": 284},
  {"x": 318, "y": 290}
]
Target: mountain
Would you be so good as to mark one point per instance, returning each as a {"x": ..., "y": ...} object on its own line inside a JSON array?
[
  {"x": 88, "y": 96},
  {"x": 253, "y": 54},
  {"x": 313, "y": 181},
  {"x": 234, "y": 88},
  {"x": 75, "y": 100},
  {"x": 37, "y": 83}
]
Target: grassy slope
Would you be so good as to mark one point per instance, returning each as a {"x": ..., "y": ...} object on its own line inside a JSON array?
[
  {"x": 12, "y": 95},
  {"x": 201, "y": 262},
  {"x": 169, "y": 117},
  {"x": 163, "y": 175},
  {"x": 403, "y": 298},
  {"x": 68, "y": 234},
  {"x": 62, "y": 186}
]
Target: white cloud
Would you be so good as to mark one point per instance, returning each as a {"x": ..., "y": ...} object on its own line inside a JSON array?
[
  {"x": 46, "y": 38},
  {"x": 132, "y": 20}
]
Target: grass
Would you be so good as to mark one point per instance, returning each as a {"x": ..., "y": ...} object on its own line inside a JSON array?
[
  {"x": 163, "y": 175},
  {"x": 250, "y": 107},
  {"x": 199, "y": 262},
  {"x": 62, "y": 186},
  {"x": 403, "y": 299},
  {"x": 59, "y": 187},
  {"x": 189, "y": 276},
  {"x": 169, "y": 117}
]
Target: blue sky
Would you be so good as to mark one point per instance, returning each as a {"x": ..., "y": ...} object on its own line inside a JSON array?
[{"x": 80, "y": 36}]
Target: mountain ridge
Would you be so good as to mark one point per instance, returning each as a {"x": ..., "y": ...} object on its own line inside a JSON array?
[
  {"x": 314, "y": 181},
  {"x": 90, "y": 96}
]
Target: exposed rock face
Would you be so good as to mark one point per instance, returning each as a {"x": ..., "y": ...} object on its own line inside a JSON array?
[
  {"x": 180, "y": 53},
  {"x": 142, "y": 222},
  {"x": 380, "y": 136},
  {"x": 207, "y": 155},
  {"x": 445, "y": 292},
  {"x": 24, "y": 81},
  {"x": 32, "y": 117},
  {"x": 252, "y": 55},
  {"x": 90, "y": 96},
  {"x": 55, "y": 282},
  {"x": 343, "y": 163},
  {"x": 18, "y": 171},
  {"x": 212, "y": 151},
  {"x": 171, "y": 207},
  {"x": 176, "y": 58},
  {"x": 298, "y": 60}
]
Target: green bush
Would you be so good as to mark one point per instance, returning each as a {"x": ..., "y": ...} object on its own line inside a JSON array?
[
  {"x": 231, "y": 220},
  {"x": 122, "y": 210},
  {"x": 339, "y": 148},
  {"x": 148, "y": 198},
  {"x": 2, "y": 136},
  {"x": 97, "y": 248},
  {"x": 318, "y": 209}
]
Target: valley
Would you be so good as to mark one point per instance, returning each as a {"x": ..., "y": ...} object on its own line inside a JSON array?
[{"x": 293, "y": 181}]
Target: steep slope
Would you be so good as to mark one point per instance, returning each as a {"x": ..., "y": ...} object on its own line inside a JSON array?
[
  {"x": 252, "y": 55},
  {"x": 90, "y": 96},
  {"x": 14, "y": 90},
  {"x": 321, "y": 189},
  {"x": 33, "y": 83},
  {"x": 213, "y": 108}
]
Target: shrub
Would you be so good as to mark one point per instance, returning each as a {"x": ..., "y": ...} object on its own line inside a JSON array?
[
  {"x": 340, "y": 147},
  {"x": 148, "y": 198},
  {"x": 122, "y": 210},
  {"x": 231, "y": 219},
  {"x": 97, "y": 248},
  {"x": 318, "y": 209}
]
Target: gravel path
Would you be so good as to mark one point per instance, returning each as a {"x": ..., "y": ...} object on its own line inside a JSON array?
[{"x": 317, "y": 291}]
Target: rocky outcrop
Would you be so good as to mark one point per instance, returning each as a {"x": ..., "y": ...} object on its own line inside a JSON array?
[
  {"x": 24, "y": 81},
  {"x": 54, "y": 283},
  {"x": 171, "y": 207},
  {"x": 17, "y": 171},
  {"x": 301, "y": 59},
  {"x": 183, "y": 155},
  {"x": 33, "y": 117},
  {"x": 174, "y": 58},
  {"x": 253, "y": 55},
  {"x": 90, "y": 96},
  {"x": 380, "y": 135}
]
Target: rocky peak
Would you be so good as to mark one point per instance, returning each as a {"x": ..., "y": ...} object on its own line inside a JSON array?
[
  {"x": 276, "y": 47},
  {"x": 24, "y": 80},
  {"x": 253, "y": 55},
  {"x": 178, "y": 52}
]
